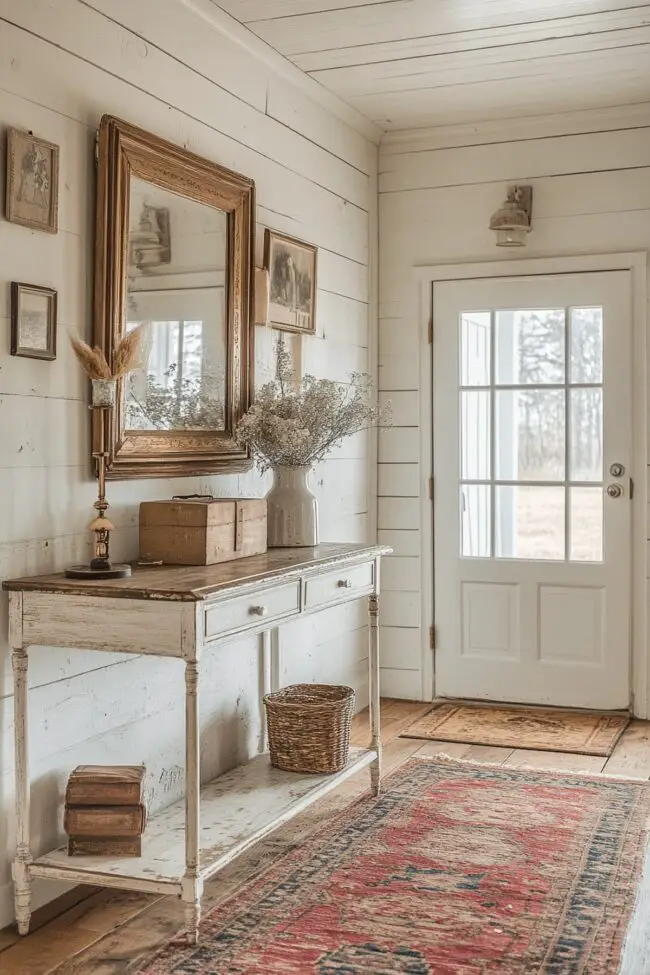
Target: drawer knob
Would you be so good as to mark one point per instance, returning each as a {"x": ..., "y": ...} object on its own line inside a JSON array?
[
  {"x": 344, "y": 584},
  {"x": 259, "y": 610}
]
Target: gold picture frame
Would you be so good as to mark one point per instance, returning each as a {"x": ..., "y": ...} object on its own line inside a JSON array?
[
  {"x": 33, "y": 321},
  {"x": 293, "y": 267},
  {"x": 127, "y": 152},
  {"x": 32, "y": 198}
]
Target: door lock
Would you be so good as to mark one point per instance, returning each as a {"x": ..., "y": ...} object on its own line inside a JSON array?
[
  {"x": 615, "y": 491},
  {"x": 617, "y": 470}
]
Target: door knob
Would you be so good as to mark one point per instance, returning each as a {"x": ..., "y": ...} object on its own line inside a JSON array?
[{"x": 615, "y": 491}]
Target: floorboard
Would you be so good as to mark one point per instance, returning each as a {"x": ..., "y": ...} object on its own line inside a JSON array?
[
  {"x": 42, "y": 916},
  {"x": 632, "y": 753},
  {"x": 564, "y": 761},
  {"x": 492, "y": 754},
  {"x": 56, "y": 943},
  {"x": 113, "y": 932}
]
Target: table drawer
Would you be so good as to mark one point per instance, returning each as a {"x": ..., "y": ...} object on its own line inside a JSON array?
[
  {"x": 340, "y": 585},
  {"x": 249, "y": 611}
]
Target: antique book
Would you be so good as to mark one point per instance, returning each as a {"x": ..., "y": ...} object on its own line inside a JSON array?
[
  {"x": 106, "y": 785},
  {"x": 98, "y": 821},
  {"x": 103, "y": 846}
]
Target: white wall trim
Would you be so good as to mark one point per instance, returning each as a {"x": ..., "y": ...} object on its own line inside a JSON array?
[
  {"x": 516, "y": 129},
  {"x": 241, "y": 35},
  {"x": 636, "y": 263},
  {"x": 426, "y": 504},
  {"x": 373, "y": 349}
]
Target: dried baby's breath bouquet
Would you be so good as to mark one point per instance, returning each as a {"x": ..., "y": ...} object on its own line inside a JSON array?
[{"x": 297, "y": 423}]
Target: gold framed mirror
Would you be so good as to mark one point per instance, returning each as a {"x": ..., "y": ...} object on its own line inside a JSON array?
[{"x": 175, "y": 239}]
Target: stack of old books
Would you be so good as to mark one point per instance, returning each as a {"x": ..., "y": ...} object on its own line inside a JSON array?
[{"x": 105, "y": 812}]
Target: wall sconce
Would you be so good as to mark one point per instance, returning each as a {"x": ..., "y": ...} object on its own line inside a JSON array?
[{"x": 512, "y": 221}]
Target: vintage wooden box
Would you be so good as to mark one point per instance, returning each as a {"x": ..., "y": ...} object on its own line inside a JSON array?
[{"x": 201, "y": 531}]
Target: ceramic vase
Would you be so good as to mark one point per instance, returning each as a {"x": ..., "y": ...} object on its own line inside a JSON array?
[{"x": 292, "y": 509}]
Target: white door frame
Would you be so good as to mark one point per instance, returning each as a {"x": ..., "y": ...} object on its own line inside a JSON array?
[{"x": 636, "y": 263}]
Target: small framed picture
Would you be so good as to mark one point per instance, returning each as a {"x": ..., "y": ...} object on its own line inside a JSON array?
[
  {"x": 33, "y": 321},
  {"x": 292, "y": 282},
  {"x": 32, "y": 181}
]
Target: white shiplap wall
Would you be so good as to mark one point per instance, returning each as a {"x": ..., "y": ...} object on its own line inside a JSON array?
[
  {"x": 159, "y": 65},
  {"x": 591, "y": 177}
]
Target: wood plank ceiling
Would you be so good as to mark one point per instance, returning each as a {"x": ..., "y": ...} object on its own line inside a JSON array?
[{"x": 413, "y": 63}]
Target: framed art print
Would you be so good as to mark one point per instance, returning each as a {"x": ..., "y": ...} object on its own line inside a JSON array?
[
  {"x": 33, "y": 321},
  {"x": 32, "y": 181},
  {"x": 292, "y": 282}
]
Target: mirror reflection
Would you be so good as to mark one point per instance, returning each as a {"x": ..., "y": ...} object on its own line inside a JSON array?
[{"x": 177, "y": 286}]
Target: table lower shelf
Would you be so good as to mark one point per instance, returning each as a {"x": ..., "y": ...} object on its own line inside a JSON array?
[{"x": 237, "y": 810}]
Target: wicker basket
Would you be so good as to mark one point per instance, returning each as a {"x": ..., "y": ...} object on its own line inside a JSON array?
[{"x": 309, "y": 727}]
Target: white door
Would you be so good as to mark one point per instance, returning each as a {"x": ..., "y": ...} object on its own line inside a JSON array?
[{"x": 532, "y": 453}]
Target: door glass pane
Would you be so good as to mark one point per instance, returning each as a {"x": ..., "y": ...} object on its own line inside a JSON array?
[
  {"x": 529, "y": 522},
  {"x": 586, "y": 524},
  {"x": 475, "y": 435},
  {"x": 530, "y": 435},
  {"x": 586, "y": 345},
  {"x": 475, "y": 330},
  {"x": 530, "y": 347},
  {"x": 475, "y": 520},
  {"x": 586, "y": 434}
]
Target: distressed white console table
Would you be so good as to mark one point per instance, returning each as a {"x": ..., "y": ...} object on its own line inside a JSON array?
[{"x": 181, "y": 612}]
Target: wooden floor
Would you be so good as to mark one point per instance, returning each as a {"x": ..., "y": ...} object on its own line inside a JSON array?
[{"x": 110, "y": 932}]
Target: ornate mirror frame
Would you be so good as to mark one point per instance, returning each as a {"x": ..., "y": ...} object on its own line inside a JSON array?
[{"x": 125, "y": 151}]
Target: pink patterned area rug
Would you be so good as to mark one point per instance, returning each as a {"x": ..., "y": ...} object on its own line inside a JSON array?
[{"x": 456, "y": 869}]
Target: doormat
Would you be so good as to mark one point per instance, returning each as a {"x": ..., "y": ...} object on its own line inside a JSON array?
[
  {"x": 455, "y": 868},
  {"x": 544, "y": 729}
]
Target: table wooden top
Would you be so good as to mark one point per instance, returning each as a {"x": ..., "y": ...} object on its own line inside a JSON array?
[{"x": 192, "y": 583}]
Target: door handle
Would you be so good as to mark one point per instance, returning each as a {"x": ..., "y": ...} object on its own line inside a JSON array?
[{"x": 615, "y": 491}]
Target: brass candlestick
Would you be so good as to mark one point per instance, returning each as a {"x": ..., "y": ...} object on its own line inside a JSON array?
[{"x": 103, "y": 401}]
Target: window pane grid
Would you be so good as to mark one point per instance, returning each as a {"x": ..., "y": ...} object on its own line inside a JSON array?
[
  {"x": 568, "y": 432},
  {"x": 493, "y": 520},
  {"x": 534, "y": 517},
  {"x": 529, "y": 387},
  {"x": 524, "y": 483}
]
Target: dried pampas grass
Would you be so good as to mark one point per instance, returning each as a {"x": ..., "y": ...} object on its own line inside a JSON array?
[
  {"x": 128, "y": 352},
  {"x": 92, "y": 361},
  {"x": 127, "y": 356}
]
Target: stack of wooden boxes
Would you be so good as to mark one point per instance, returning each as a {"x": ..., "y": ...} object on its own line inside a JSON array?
[{"x": 105, "y": 812}]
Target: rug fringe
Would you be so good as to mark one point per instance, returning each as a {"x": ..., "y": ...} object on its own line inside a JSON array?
[{"x": 442, "y": 756}]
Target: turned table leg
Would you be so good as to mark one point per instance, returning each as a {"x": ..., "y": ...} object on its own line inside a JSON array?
[
  {"x": 192, "y": 887},
  {"x": 192, "y": 900},
  {"x": 270, "y": 677},
  {"x": 21, "y": 864},
  {"x": 375, "y": 730}
]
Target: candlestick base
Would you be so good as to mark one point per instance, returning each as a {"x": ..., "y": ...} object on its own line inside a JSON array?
[{"x": 118, "y": 571}]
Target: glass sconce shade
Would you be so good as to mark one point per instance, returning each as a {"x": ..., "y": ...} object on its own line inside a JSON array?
[
  {"x": 512, "y": 222},
  {"x": 512, "y": 237}
]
